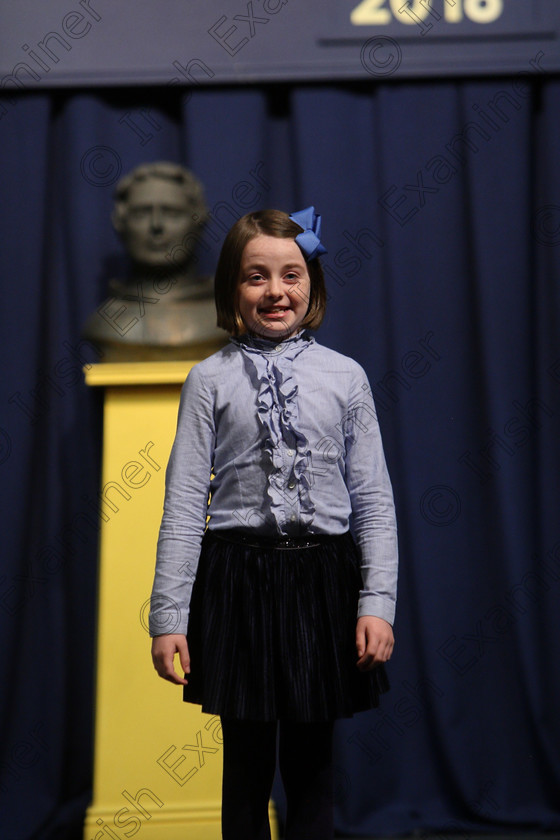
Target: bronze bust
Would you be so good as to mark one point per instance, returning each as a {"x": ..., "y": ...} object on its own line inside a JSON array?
[{"x": 162, "y": 310}]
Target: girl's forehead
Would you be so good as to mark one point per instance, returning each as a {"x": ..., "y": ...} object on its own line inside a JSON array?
[{"x": 272, "y": 248}]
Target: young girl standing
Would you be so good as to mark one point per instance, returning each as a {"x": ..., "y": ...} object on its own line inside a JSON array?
[{"x": 284, "y": 622}]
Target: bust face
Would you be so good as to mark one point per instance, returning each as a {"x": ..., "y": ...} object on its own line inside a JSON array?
[{"x": 158, "y": 217}]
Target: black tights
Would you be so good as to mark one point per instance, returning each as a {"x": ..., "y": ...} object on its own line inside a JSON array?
[{"x": 305, "y": 759}]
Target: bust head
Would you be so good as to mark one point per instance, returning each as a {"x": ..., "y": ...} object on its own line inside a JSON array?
[{"x": 158, "y": 207}]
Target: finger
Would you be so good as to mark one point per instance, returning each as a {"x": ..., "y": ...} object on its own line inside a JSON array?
[
  {"x": 360, "y": 642},
  {"x": 171, "y": 675},
  {"x": 365, "y": 650},
  {"x": 163, "y": 663},
  {"x": 377, "y": 652},
  {"x": 176, "y": 679},
  {"x": 383, "y": 652},
  {"x": 367, "y": 660},
  {"x": 184, "y": 658},
  {"x": 366, "y": 663}
]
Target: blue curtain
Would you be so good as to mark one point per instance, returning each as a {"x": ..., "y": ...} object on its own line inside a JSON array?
[{"x": 441, "y": 212}]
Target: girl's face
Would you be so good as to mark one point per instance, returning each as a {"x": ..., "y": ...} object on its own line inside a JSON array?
[{"x": 273, "y": 288}]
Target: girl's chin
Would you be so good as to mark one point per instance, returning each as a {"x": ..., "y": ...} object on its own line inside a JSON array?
[
  {"x": 274, "y": 331},
  {"x": 273, "y": 328}
]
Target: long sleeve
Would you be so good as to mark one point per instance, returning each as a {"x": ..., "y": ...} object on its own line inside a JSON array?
[
  {"x": 185, "y": 508},
  {"x": 371, "y": 497}
]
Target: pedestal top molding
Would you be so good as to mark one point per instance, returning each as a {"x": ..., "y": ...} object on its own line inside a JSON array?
[{"x": 138, "y": 373}]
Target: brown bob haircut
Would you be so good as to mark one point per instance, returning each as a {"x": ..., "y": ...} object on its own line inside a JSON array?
[{"x": 226, "y": 282}]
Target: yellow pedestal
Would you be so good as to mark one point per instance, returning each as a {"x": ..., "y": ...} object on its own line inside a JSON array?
[{"x": 157, "y": 770}]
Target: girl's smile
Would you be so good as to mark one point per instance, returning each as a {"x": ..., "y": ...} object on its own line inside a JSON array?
[{"x": 274, "y": 286}]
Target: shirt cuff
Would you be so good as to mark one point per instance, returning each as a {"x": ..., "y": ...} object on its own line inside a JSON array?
[
  {"x": 166, "y": 617},
  {"x": 371, "y": 604}
]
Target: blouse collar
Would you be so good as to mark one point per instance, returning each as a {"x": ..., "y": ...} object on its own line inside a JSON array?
[{"x": 251, "y": 342}]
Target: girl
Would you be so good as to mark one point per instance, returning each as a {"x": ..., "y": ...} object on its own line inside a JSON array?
[{"x": 282, "y": 619}]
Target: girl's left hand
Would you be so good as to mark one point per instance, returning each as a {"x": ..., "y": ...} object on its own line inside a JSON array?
[{"x": 374, "y": 641}]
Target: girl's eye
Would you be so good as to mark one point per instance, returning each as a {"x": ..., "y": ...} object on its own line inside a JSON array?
[
  {"x": 292, "y": 276},
  {"x": 255, "y": 278}
]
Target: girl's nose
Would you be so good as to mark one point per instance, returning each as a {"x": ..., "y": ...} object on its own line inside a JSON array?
[{"x": 274, "y": 287}]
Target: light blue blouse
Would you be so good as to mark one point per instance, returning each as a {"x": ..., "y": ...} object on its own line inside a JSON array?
[{"x": 291, "y": 433}]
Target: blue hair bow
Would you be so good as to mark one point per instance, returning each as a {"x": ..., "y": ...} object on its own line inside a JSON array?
[{"x": 309, "y": 241}]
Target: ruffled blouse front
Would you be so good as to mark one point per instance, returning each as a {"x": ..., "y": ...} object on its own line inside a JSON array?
[{"x": 270, "y": 366}]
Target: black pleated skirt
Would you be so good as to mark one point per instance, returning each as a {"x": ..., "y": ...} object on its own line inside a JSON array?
[{"x": 272, "y": 630}]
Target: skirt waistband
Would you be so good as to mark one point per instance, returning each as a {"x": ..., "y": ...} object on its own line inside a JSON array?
[{"x": 284, "y": 543}]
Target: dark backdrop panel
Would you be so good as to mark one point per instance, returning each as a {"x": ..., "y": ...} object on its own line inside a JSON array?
[
  {"x": 441, "y": 212},
  {"x": 221, "y": 41}
]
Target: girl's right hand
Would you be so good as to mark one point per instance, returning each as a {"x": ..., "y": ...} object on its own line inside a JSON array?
[{"x": 164, "y": 649}]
